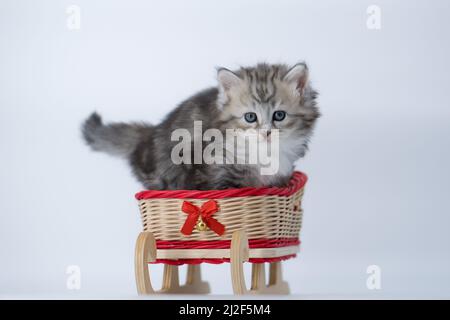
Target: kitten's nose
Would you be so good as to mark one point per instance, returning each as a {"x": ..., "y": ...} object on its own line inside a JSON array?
[{"x": 268, "y": 133}]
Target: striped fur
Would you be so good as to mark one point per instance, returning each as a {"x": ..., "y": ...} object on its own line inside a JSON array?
[{"x": 262, "y": 89}]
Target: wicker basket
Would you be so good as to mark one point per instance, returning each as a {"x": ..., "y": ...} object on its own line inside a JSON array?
[{"x": 271, "y": 218}]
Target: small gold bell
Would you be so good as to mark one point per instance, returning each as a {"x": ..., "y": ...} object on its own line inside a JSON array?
[{"x": 201, "y": 226}]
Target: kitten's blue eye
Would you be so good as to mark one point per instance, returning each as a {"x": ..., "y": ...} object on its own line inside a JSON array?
[
  {"x": 279, "y": 115},
  {"x": 250, "y": 117}
]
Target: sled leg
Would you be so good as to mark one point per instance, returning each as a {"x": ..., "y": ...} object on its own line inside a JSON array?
[
  {"x": 145, "y": 252},
  {"x": 193, "y": 275},
  {"x": 171, "y": 281},
  {"x": 258, "y": 277},
  {"x": 194, "y": 283},
  {"x": 276, "y": 283},
  {"x": 239, "y": 253}
]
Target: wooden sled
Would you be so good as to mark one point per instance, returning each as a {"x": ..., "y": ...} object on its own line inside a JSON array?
[{"x": 251, "y": 225}]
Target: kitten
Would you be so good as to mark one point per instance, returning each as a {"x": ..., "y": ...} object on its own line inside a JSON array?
[{"x": 261, "y": 97}]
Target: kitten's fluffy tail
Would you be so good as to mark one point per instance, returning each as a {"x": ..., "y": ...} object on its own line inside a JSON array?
[{"x": 119, "y": 139}]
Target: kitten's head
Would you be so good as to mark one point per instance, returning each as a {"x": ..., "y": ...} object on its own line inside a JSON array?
[{"x": 269, "y": 97}]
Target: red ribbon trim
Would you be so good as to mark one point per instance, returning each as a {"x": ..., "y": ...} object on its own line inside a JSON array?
[
  {"x": 179, "y": 262},
  {"x": 225, "y": 244},
  {"x": 297, "y": 182},
  {"x": 205, "y": 212}
]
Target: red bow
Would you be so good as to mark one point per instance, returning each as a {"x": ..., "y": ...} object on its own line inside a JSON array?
[{"x": 205, "y": 212}]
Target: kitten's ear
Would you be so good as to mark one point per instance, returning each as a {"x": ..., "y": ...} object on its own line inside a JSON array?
[
  {"x": 298, "y": 75},
  {"x": 227, "y": 79}
]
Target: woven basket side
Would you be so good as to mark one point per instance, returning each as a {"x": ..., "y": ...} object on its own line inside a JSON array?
[{"x": 263, "y": 217}]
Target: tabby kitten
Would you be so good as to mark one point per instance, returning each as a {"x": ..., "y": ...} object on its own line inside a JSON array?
[{"x": 262, "y": 97}]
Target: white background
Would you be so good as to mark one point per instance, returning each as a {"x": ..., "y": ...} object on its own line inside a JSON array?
[{"x": 378, "y": 166}]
